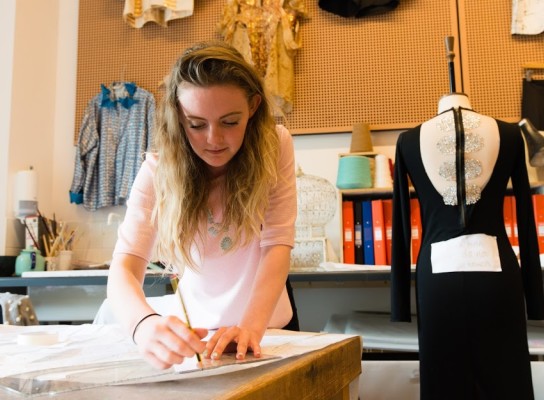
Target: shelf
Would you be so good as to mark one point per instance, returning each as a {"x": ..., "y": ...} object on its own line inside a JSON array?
[
  {"x": 294, "y": 276},
  {"x": 379, "y": 333},
  {"x": 537, "y": 187},
  {"x": 15, "y": 281},
  {"x": 371, "y": 192},
  {"x": 360, "y": 153},
  {"x": 366, "y": 192},
  {"x": 347, "y": 276}
]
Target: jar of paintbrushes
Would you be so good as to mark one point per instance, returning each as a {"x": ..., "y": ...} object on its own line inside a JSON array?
[{"x": 54, "y": 240}]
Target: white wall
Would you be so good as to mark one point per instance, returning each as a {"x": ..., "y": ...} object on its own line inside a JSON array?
[
  {"x": 32, "y": 94},
  {"x": 7, "y": 35},
  {"x": 39, "y": 44}
]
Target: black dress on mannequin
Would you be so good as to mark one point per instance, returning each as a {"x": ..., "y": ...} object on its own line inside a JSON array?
[{"x": 471, "y": 324}]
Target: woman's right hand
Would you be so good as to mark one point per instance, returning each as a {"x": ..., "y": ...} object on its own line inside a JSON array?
[{"x": 165, "y": 341}]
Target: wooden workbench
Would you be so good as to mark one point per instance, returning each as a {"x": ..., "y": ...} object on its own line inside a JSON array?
[
  {"x": 323, "y": 374},
  {"x": 332, "y": 372}
]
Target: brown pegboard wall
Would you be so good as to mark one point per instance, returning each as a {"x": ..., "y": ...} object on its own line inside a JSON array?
[
  {"x": 494, "y": 58},
  {"x": 388, "y": 70},
  {"x": 110, "y": 50}
]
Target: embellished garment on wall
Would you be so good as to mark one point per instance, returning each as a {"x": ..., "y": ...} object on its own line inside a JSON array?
[
  {"x": 115, "y": 132},
  {"x": 266, "y": 32},
  {"x": 139, "y": 12},
  {"x": 527, "y": 17}
]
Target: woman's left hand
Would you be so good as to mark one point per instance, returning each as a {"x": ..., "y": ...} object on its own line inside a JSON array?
[{"x": 233, "y": 339}]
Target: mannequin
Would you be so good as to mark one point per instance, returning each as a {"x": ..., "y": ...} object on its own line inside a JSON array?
[
  {"x": 472, "y": 296},
  {"x": 449, "y": 101},
  {"x": 483, "y": 129}
]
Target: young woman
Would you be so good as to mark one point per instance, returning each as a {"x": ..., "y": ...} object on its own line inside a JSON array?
[{"x": 217, "y": 203}]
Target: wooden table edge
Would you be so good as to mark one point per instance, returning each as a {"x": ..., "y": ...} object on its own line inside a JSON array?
[{"x": 323, "y": 376}]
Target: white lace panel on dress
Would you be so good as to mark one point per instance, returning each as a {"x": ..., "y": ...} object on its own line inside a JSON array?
[{"x": 473, "y": 167}]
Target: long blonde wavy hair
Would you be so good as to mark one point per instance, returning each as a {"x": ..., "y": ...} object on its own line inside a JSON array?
[{"x": 182, "y": 181}]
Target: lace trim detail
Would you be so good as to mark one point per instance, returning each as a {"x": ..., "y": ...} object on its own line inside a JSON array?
[
  {"x": 473, "y": 143},
  {"x": 447, "y": 124},
  {"x": 450, "y": 194},
  {"x": 473, "y": 167}
]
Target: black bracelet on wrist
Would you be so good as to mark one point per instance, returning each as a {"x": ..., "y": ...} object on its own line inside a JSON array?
[{"x": 139, "y": 322}]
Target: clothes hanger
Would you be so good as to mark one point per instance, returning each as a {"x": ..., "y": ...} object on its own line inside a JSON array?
[{"x": 119, "y": 84}]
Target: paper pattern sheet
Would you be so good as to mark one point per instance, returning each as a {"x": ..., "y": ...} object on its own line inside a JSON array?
[{"x": 87, "y": 356}]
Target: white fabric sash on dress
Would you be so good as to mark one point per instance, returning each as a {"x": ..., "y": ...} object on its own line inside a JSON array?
[{"x": 468, "y": 253}]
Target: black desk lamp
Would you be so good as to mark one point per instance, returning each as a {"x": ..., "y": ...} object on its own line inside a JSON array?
[{"x": 535, "y": 143}]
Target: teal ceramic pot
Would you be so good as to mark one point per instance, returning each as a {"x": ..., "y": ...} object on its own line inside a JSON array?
[{"x": 29, "y": 260}]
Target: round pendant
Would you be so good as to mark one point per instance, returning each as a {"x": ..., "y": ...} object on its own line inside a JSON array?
[{"x": 226, "y": 243}]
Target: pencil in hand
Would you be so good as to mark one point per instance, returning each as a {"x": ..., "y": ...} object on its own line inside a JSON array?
[{"x": 186, "y": 315}]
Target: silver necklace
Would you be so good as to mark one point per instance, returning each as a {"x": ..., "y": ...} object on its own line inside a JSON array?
[{"x": 215, "y": 229}]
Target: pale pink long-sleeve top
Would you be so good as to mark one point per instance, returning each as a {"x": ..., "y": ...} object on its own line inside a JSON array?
[{"x": 217, "y": 292}]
